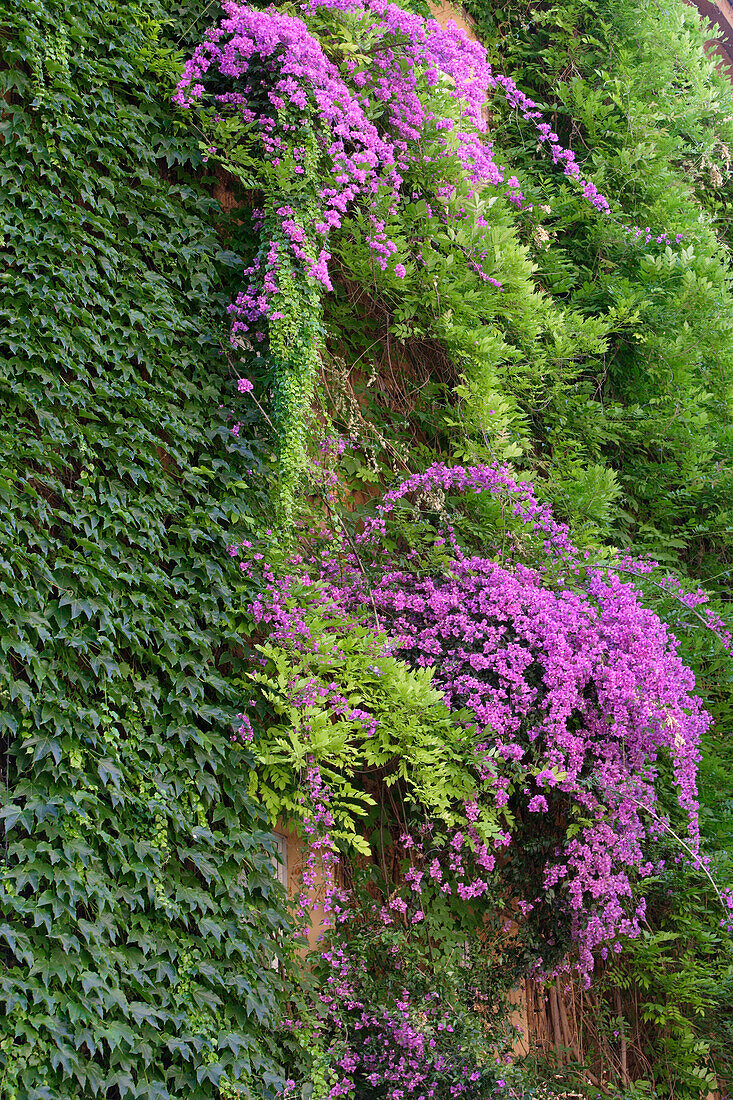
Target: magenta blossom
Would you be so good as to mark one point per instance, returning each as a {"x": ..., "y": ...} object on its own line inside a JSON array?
[{"x": 573, "y": 685}]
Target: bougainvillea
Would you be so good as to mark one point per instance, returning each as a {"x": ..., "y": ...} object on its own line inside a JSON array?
[
  {"x": 572, "y": 711},
  {"x": 351, "y": 111},
  {"x": 576, "y": 689},
  {"x": 370, "y": 110}
]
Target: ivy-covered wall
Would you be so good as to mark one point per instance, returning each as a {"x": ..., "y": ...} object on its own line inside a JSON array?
[{"x": 139, "y": 916}]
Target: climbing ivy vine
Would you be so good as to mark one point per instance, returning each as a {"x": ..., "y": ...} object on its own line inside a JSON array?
[{"x": 139, "y": 917}]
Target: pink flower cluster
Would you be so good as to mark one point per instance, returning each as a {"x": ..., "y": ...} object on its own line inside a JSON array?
[
  {"x": 586, "y": 686},
  {"x": 575, "y": 687},
  {"x": 397, "y": 1047},
  {"x": 370, "y": 123}
]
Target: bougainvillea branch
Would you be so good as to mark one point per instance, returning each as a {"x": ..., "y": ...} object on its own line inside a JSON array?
[
  {"x": 348, "y": 111},
  {"x": 574, "y": 683},
  {"x": 279, "y": 64}
]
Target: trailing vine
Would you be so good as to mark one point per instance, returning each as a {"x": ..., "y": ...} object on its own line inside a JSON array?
[{"x": 351, "y": 115}]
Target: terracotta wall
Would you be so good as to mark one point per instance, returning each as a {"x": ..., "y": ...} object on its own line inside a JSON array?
[
  {"x": 295, "y": 857},
  {"x": 444, "y": 12},
  {"x": 721, "y": 13}
]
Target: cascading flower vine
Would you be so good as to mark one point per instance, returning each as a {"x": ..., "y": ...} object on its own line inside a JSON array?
[
  {"x": 349, "y": 111},
  {"x": 284, "y": 73},
  {"x": 572, "y": 710},
  {"x": 573, "y": 684},
  {"x": 372, "y": 114}
]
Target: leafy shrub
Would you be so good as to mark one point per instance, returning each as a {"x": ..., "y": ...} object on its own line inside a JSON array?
[
  {"x": 670, "y": 993},
  {"x": 629, "y": 86}
]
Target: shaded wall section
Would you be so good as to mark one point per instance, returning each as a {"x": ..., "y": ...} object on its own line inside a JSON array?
[{"x": 721, "y": 14}]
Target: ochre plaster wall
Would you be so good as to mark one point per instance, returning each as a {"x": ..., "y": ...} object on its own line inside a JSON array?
[
  {"x": 295, "y": 864},
  {"x": 445, "y": 12}
]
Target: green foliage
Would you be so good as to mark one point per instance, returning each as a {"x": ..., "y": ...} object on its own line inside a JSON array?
[
  {"x": 604, "y": 363},
  {"x": 392, "y": 724},
  {"x": 139, "y": 914},
  {"x": 629, "y": 87},
  {"x": 293, "y": 353},
  {"x": 676, "y": 981},
  {"x": 290, "y": 356},
  {"x": 512, "y": 347}
]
